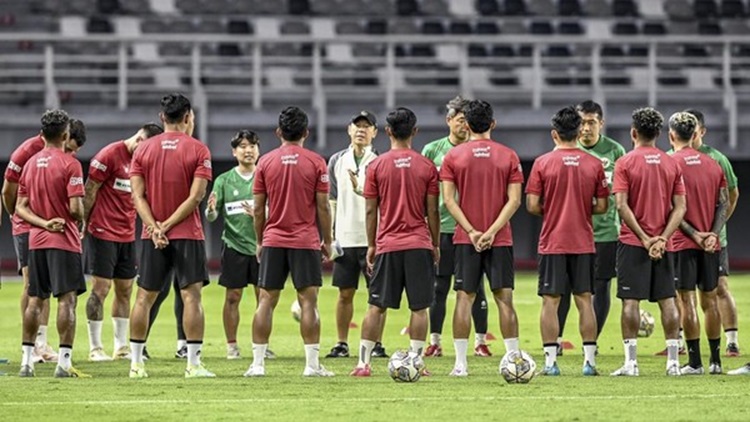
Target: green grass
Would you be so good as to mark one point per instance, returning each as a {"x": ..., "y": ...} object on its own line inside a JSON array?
[{"x": 285, "y": 395}]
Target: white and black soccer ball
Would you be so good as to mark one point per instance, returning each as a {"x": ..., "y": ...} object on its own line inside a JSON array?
[
  {"x": 646, "y": 326},
  {"x": 405, "y": 366},
  {"x": 517, "y": 367},
  {"x": 296, "y": 311}
]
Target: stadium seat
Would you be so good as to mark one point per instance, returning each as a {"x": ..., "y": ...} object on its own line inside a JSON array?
[
  {"x": 540, "y": 7},
  {"x": 211, "y": 26},
  {"x": 349, "y": 27},
  {"x": 477, "y": 50},
  {"x": 294, "y": 27},
  {"x": 709, "y": 28},
  {"x": 732, "y": 9},
  {"x": 407, "y": 7},
  {"x": 541, "y": 28},
  {"x": 695, "y": 50},
  {"x": 433, "y": 27},
  {"x": 559, "y": 50},
  {"x": 514, "y": 8},
  {"x": 434, "y": 7},
  {"x": 679, "y": 10},
  {"x": 736, "y": 27},
  {"x": 403, "y": 26},
  {"x": 570, "y": 28},
  {"x": 460, "y": 28},
  {"x": 99, "y": 25},
  {"x": 487, "y": 7},
  {"x": 239, "y": 27},
  {"x": 597, "y": 8},
  {"x": 683, "y": 28},
  {"x": 705, "y": 9},
  {"x": 503, "y": 51},
  {"x": 78, "y": 7},
  {"x": 625, "y": 8},
  {"x": 376, "y": 27},
  {"x": 625, "y": 28},
  {"x": 108, "y": 7},
  {"x": 569, "y": 8},
  {"x": 299, "y": 7},
  {"x": 651, "y": 9},
  {"x": 487, "y": 28},
  {"x": 610, "y": 50},
  {"x": 654, "y": 28}
]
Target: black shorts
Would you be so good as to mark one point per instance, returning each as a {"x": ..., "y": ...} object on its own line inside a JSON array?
[
  {"x": 110, "y": 260},
  {"x": 447, "y": 265},
  {"x": 183, "y": 259},
  {"x": 606, "y": 261},
  {"x": 563, "y": 273},
  {"x": 724, "y": 262},
  {"x": 348, "y": 267},
  {"x": 413, "y": 270},
  {"x": 21, "y": 245},
  {"x": 277, "y": 263},
  {"x": 496, "y": 263},
  {"x": 55, "y": 271},
  {"x": 641, "y": 278},
  {"x": 696, "y": 268},
  {"x": 237, "y": 269}
]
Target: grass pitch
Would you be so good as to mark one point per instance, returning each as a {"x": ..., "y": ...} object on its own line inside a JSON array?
[{"x": 285, "y": 395}]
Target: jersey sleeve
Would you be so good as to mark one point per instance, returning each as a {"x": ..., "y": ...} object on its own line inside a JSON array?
[
  {"x": 333, "y": 190},
  {"x": 622, "y": 179},
  {"x": 535, "y": 185},
  {"x": 516, "y": 170},
  {"x": 433, "y": 185},
  {"x": 726, "y": 167},
  {"x": 679, "y": 184},
  {"x": 602, "y": 185},
  {"x": 428, "y": 151},
  {"x": 447, "y": 170},
  {"x": 203, "y": 164},
  {"x": 259, "y": 181},
  {"x": 136, "y": 164},
  {"x": 322, "y": 185},
  {"x": 100, "y": 168},
  {"x": 75, "y": 178},
  {"x": 22, "y": 184},
  {"x": 371, "y": 183}
]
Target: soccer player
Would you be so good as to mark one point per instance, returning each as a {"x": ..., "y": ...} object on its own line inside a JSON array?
[
  {"x": 232, "y": 198},
  {"x": 77, "y": 137},
  {"x": 650, "y": 199},
  {"x": 50, "y": 198},
  {"x": 607, "y": 225},
  {"x": 346, "y": 169},
  {"x": 109, "y": 215},
  {"x": 435, "y": 151},
  {"x": 695, "y": 244},
  {"x": 562, "y": 187},
  {"x": 169, "y": 175},
  {"x": 401, "y": 188},
  {"x": 487, "y": 178},
  {"x": 293, "y": 181}
]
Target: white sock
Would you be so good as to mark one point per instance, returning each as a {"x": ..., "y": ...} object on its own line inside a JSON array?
[
  {"x": 673, "y": 348},
  {"x": 121, "y": 332},
  {"x": 181, "y": 344},
  {"x": 64, "y": 358},
  {"x": 731, "y": 336},
  {"x": 194, "y": 353},
  {"x": 511, "y": 344},
  {"x": 480, "y": 339},
  {"x": 559, "y": 340},
  {"x": 41, "y": 336},
  {"x": 681, "y": 338},
  {"x": 28, "y": 351},
  {"x": 232, "y": 345},
  {"x": 435, "y": 338},
  {"x": 550, "y": 355},
  {"x": 95, "y": 335},
  {"x": 365, "y": 352},
  {"x": 589, "y": 353},
  {"x": 461, "y": 344},
  {"x": 416, "y": 346},
  {"x": 136, "y": 352},
  {"x": 312, "y": 356},
  {"x": 259, "y": 355},
  {"x": 631, "y": 350}
]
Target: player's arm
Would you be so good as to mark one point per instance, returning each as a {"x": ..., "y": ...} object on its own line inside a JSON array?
[
  {"x": 676, "y": 216},
  {"x": 371, "y": 220},
  {"x": 433, "y": 215},
  {"x": 722, "y": 211},
  {"x": 138, "y": 187},
  {"x": 510, "y": 208},
  {"x": 628, "y": 217},
  {"x": 189, "y": 205},
  {"x": 601, "y": 205},
  {"x": 259, "y": 218},
  {"x": 733, "y": 196},
  {"x": 324, "y": 216},
  {"x": 449, "y": 199},
  {"x": 10, "y": 196},
  {"x": 215, "y": 201},
  {"x": 534, "y": 204},
  {"x": 22, "y": 209},
  {"x": 333, "y": 192},
  {"x": 89, "y": 198},
  {"x": 75, "y": 208}
]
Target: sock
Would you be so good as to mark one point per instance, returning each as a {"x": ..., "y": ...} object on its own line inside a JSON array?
[
  {"x": 461, "y": 344},
  {"x": 365, "y": 352},
  {"x": 28, "y": 351},
  {"x": 480, "y": 339},
  {"x": 194, "y": 352},
  {"x": 121, "y": 332},
  {"x": 312, "y": 356},
  {"x": 589, "y": 352},
  {"x": 550, "y": 354},
  {"x": 673, "y": 348},
  {"x": 681, "y": 338},
  {"x": 416, "y": 346},
  {"x": 136, "y": 351},
  {"x": 714, "y": 346},
  {"x": 95, "y": 335},
  {"x": 631, "y": 350},
  {"x": 41, "y": 336},
  {"x": 64, "y": 357},
  {"x": 435, "y": 339},
  {"x": 259, "y": 354},
  {"x": 694, "y": 353},
  {"x": 559, "y": 340},
  {"x": 511, "y": 344},
  {"x": 731, "y": 334},
  {"x": 232, "y": 344},
  {"x": 181, "y": 344}
]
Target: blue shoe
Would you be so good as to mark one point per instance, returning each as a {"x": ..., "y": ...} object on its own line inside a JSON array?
[
  {"x": 589, "y": 370},
  {"x": 553, "y": 370}
]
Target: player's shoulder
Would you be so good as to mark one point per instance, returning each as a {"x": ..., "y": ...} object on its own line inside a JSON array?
[
  {"x": 612, "y": 144},
  {"x": 433, "y": 146},
  {"x": 29, "y": 146}
]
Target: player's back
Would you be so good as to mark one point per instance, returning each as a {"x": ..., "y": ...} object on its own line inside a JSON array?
[
  {"x": 113, "y": 217},
  {"x": 18, "y": 159}
]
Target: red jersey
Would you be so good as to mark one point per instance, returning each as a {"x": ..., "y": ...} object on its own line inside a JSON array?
[
  {"x": 703, "y": 179},
  {"x": 49, "y": 180},
  {"x": 401, "y": 180},
  {"x": 113, "y": 215},
  {"x": 567, "y": 180},
  {"x": 168, "y": 163},
  {"x": 18, "y": 160},
  {"x": 482, "y": 171},
  {"x": 291, "y": 176},
  {"x": 650, "y": 178}
]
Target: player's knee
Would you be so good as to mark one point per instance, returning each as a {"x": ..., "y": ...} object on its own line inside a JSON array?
[
  {"x": 233, "y": 296},
  {"x": 346, "y": 296}
]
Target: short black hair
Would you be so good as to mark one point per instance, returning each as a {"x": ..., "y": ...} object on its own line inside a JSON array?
[
  {"x": 479, "y": 116},
  {"x": 402, "y": 122},
  {"x": 78, "y": 132},
  {"x": 251, "y": 137},
  {"x": 647, "y": 122},
  {"x": 683, "y": 124},
  {"x": 698, "y": 115},
  {"x": 456, "y": 105},
  {"x": 293, "y": 123},
  {"x": 567, "y": 123},
  {"x": 590, "y": 106},
  {"x": 54, "y": 124},
  {"x": 174, "y": 107},
  {"x": 151, "y": 129}
]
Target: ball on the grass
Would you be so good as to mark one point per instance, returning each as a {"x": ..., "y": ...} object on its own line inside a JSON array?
[
  {"x": 296, "y": 311},
  {"x": 517, "y": 367},
  {"x": 646, "y": 326},
  {"x": 405, "y": 366}
]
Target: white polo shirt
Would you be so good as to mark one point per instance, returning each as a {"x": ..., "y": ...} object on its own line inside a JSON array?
[{"x": 349, "y": 221}]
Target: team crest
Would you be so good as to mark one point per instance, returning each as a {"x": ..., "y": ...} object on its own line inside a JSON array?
[{"x": 605, "y": 162}]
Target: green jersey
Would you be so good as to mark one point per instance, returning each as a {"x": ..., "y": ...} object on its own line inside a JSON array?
[
  {"x": 436, "y": 151},
  {"x": 231, "y": 190},
  {"x": 607, "y": 225},
  {"x": 726, "y": 166}
]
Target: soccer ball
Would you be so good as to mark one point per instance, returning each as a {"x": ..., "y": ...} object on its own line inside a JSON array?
[
  {"x": 405, "y": 366},
  {"x": 646, "y": 326},
  {"x": 517, "y": 367},
  {"x": 296, "y": 311}
]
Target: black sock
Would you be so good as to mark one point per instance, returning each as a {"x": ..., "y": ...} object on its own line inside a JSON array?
[
  {"x": 601, "y": 303},
  {"x": 694, "y": 353},
  {"x": 437, "y": 308},
  {"x": 479, "y": 312},
  {"x": 562, "y": 312},
  {"x": 714, "y": 346}
]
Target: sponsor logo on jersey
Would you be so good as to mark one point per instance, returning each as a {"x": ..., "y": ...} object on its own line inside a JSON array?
[
  {"x": 75, "y": 181},
  {"x": 170, "y": 144},
  {"x": 42, "y": 162},
  {"x": 401, "y": 163},
  {"x": 324, "y": 178},
  {"x": 572, "y": 160},
  {"x": 652, "y": 158},
  {"x": 235, "y": 208},
  {"x": 122, "y": 185},
  {"x": 98, "y": 165},
  {"x": 481, "y": 152},
  {"x": 289, "y": 159},
  {"x": 692, "y": 160},
  {"x": 14, "y": 167},
  {"x": 207, "y": 164}
]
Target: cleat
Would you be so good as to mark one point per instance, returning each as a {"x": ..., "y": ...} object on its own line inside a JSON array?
[
  {"x": 340, "y": 350},
  {"x": 567, "y": 345},
  {"x": 743, "y": 370},
  {"x": 682, "y": 351},
  {"x": 181, "y": 353},
  {"x": 363, "y": 371},
  {"x": 255, "y": 371},
  {"x": 714, "y": 368},
  {"x": 490, "y": 336},
  {"x": 673, "y": 369},
  {"x": 733, "y": 350},
  {"x": 43, "y": 354},
  {"x": 589, "y": 370},
  {"x": 433, "y": 350},
  {"x": 123, "y": 353},
  {"x": 320, "y": 371},
  {"x": 689, "y": 370},
  {"x": 459, "y": 372},
  {"x": 198, "y": 371},
  {"x": 551, "y": 371},
  {"x": 69, "y": 373},
  {"x": 379, "y": 351},
  {"x": 270, "y": 354},
  {"x": 97, "y": 355},
  {"x": 482, "y": 350},
  {"x": 137, "y": 371},
  {"x": 27, "y": 371},
  {"x": 233, "y": 352},
  {"x": 627, "y": 370}
]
